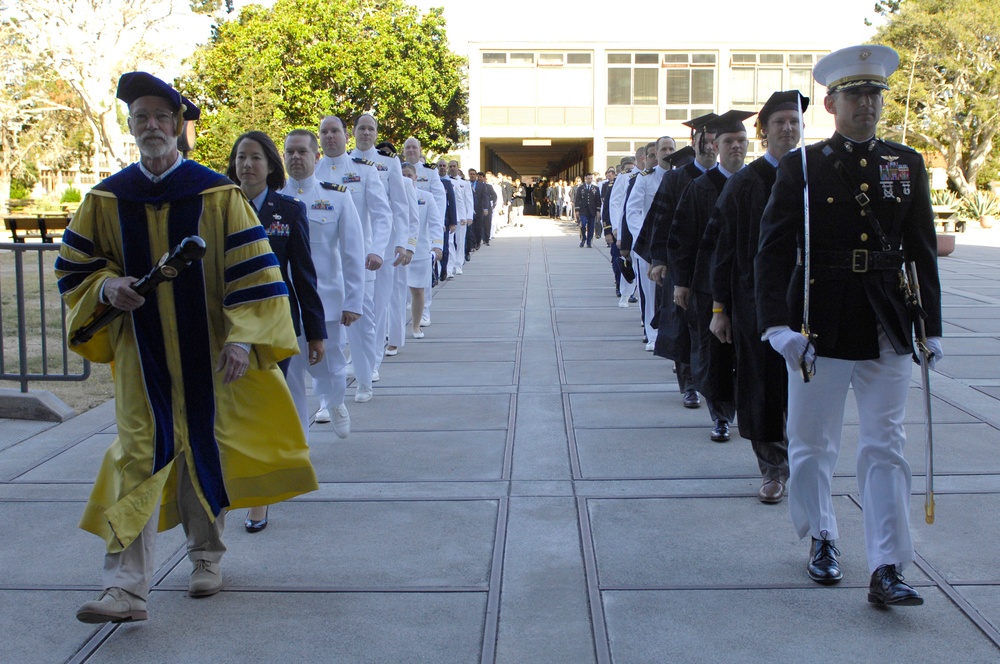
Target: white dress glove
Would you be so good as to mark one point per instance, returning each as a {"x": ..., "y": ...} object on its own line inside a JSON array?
[
  {"x": 793, "y": 347},
  {"x": 937, "y": 352}
]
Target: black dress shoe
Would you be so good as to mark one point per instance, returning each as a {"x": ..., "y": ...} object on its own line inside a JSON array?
[
  {"x": 255, "y": 526},
  {"x": 691, "y": 399},
  {"x": 720, "y": 434},
  {"x": 887, "y": 588},
  {"x": 618, "y": 293},
  {"x": 632, "y": 299},
  {"x": 823, "y": 567},
  {"x": 581, "y": 244}
]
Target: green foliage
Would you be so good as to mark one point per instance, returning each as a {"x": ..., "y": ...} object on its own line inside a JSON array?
[
  {"x": 978, "y": 204},
  {"x": 945, "y": 95},
  {"x": 944, "y": 197},
  {"x": 285, "y": 67},
  {"x": 19, "y": 189},
  {"x": 71, "y": 195}
]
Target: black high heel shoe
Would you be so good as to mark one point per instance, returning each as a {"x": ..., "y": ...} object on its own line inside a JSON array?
[{"x": 255, "y": 526}]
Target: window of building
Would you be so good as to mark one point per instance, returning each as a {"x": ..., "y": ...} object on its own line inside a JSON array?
[
  {"x": 755, "y": 76},
  {"x": 636, "y": 84},
  {"x": 690, "y": 84},
  {"x": 522, "y": 58},
  {"x": 550, "y": 59},
  {"x": 494, "y": 58},
  {"x": 578, "y": 58}
]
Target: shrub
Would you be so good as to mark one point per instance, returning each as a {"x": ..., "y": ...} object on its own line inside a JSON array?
[{"x": 71, "y": 195}]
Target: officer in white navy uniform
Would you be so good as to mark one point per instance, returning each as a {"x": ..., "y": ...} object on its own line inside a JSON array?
[
  {"x": 336, "y": 243},
  {"x": 636, "y": 207},
  {"x": 402, "y": 240},
  {"x": 361, "y": 179},
  {"x": 428, "y": 180},
  {"x": 466, "y": 211},
  {"x": 870, "y": 211}
]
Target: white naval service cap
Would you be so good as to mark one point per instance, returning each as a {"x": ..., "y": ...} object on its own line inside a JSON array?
[{"x": 855, "y": 66}]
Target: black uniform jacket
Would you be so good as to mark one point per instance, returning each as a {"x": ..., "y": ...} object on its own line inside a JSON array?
[
  {"x": 855, "y": 285},
  {"x": 761, "y": 376},
  {"x": 688, "y": 264},
  {"x": 661, "y": 211},
  {"x": 287, "y": 226}
]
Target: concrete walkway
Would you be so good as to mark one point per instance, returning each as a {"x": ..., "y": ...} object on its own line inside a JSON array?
[{"x": 526, "y": 487}]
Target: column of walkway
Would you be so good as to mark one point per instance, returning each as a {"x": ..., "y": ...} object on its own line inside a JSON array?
[{"x": 525, "y": 487}]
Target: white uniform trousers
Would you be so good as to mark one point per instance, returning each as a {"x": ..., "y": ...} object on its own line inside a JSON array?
[
  {"x": 457, "y": 252},
  {"x": 298, "y": 365},
  {"x": 361, "y": 336},
  {"x": 385, "y": 279},
  {"x": 648, "y": 290},
  {"x": 815, "y": 425},
  {"x": 330, "y": 374},
  {"x": 396, "y": 325},
  {"x": 132, "y": 569},
  {"x": 428, "y": 298}
]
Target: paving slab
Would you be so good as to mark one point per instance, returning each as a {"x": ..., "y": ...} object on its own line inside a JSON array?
[
  {"x": 43, "y": 547},
  {"x": 428, "y": 413},
  {"x": 445, "y": 374},
  {"x": 411, "y": 456},
  {"x": 362, "y": 545},
  {"x": 817, "y": 625},
  {"x": 367, "y": 628},
  {"x": 38, "y": 626},
  {"x": 439, "y": 350}
]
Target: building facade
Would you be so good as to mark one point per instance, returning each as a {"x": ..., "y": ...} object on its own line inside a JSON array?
[{"x": 559, "y": 110}]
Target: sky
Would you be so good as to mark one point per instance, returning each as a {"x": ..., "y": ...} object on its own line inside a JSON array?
[{"x": 716, "y": 20}]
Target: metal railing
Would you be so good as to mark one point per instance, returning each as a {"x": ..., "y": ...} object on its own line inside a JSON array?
[{"x": 30, "y": 307}]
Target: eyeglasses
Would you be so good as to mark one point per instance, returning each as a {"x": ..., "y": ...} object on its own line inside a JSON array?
[{"x": 162, "y": 118}]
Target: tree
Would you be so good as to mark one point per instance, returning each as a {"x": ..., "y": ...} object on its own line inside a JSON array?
[
  {"x": 945, "y": 95},
  {"x": 90, "y": 43},
  {"x": 38, "y": 119},
  {"x": 285, "y": 67}
]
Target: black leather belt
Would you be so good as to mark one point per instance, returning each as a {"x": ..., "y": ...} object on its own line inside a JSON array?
[{"x": 858, "y": 260}]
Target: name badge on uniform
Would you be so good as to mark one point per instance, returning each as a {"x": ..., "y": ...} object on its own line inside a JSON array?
[
  {"x": 350, "y": 177},
  {"x": 321, "y": 204}
]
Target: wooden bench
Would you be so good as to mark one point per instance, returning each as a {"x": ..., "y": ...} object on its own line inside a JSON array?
[{"x": 48, "y": 227}]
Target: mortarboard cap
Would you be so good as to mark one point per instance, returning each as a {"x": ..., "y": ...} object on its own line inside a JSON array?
[
  {"x": 729, "y": 122},
  {"x": 698, "y": 123},
  {"x": 682, "y": 157},
  {"x": 786, "y": 100},
  {"x": 856, "y": 66},
  {"x": 137, "y": 84}
]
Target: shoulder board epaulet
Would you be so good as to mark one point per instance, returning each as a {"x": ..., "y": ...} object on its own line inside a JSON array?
[
  {"x": 286, "y": 197},
  {"x": 647, "y": 171},
  {"x": 897, "y": 146},
  {"x": 633, "y": 174},
  {"x": 430, "y": 166},
  {"x": 333, "y": 187},
  {"x": 362, "y": 160}
]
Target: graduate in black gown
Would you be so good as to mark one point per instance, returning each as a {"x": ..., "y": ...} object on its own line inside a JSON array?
[{"x": 761, "y": 377}]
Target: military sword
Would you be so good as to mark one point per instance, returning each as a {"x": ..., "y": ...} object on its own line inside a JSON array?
[
  {"x": 913, "y": 293},
  {"x": 190, "y": 249},
  {"x": 807, "y": 372}
]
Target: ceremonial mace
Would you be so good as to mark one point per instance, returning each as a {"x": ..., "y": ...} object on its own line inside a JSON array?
[
  {"x": 913, "y": 293},
  {"x": 190, "y": 249}
]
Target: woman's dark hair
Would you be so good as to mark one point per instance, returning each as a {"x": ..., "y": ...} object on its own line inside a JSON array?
[{"x": 276, "y": 178}]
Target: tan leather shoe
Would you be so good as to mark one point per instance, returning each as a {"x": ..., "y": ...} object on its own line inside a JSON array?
[
  {"x": 206, "y": 579},
  {"x": 771, "y": 492},
  {"x": 113, "y": 605}
]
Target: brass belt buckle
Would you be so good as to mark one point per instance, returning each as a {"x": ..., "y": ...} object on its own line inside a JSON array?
[{"x": 859, "y": 260}]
